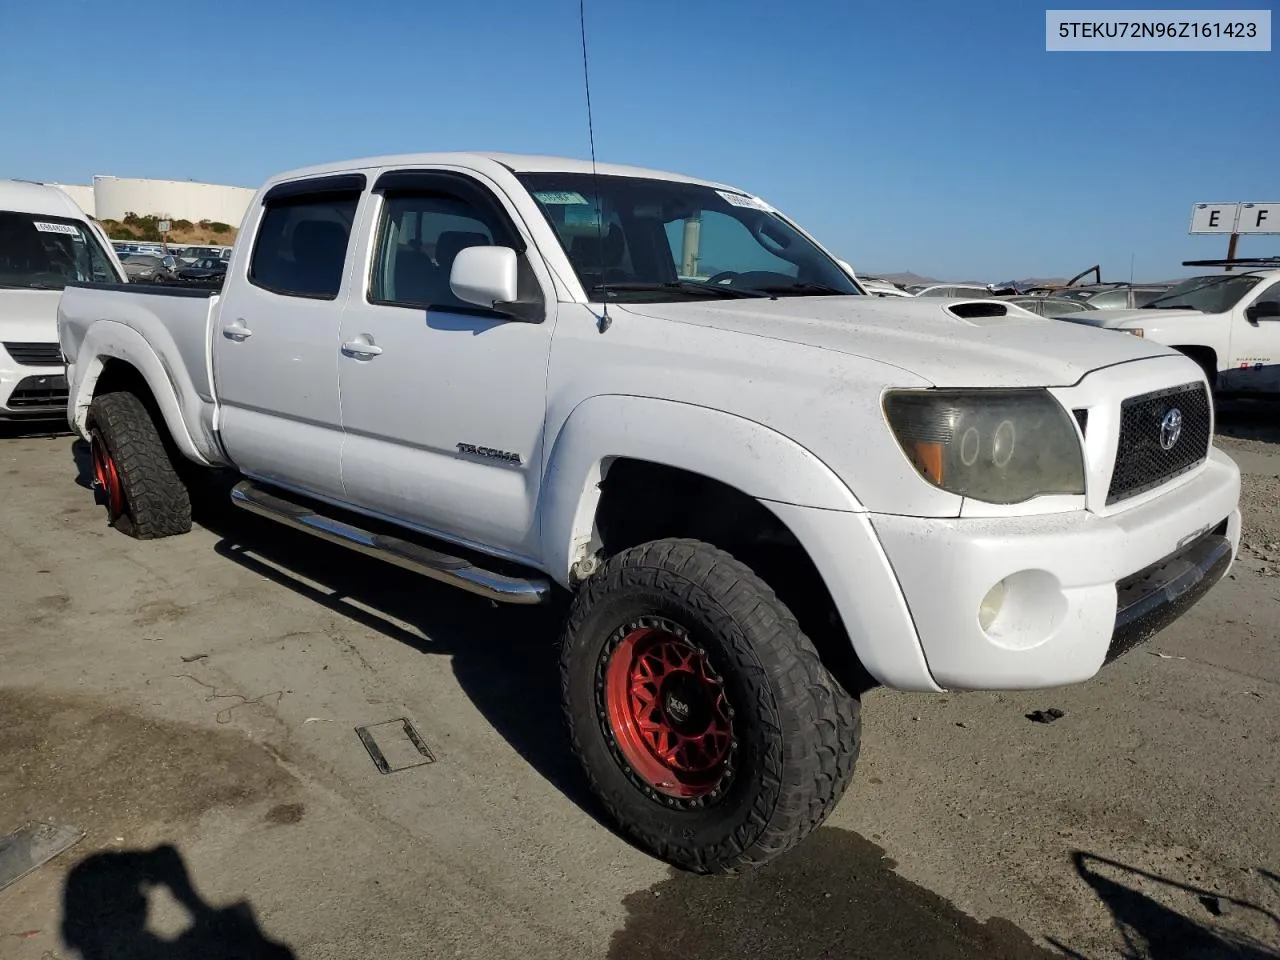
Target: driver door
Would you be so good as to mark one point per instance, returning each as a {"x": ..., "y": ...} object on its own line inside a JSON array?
[{"x": 1255, "y": 346}]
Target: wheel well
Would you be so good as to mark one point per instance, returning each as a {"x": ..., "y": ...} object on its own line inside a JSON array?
[
  {"x": 119, "y": 375},
  {"x": 1206, "y": 357},
  {"x": 642, "y": 501}
]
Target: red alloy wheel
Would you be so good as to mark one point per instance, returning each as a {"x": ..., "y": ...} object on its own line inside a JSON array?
[
  {"x": 668, "y": 712},
  {"x": 106, "y": 477}
]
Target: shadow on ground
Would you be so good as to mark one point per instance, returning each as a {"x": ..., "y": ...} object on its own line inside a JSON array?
[
  {"x": 105, "y": 912},
  {"x": 836, "y": 895},
  {"x": 505, "y": 658},
  {"x": 1249, "y": 419},
  {"x": 1155, "y": 930}
]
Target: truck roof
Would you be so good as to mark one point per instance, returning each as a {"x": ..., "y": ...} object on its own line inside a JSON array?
[
  {"x": 516, "y": 163},
  {"x": 27, "y": 196}
]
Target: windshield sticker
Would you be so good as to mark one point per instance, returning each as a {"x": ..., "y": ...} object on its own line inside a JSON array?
[
  {"x": 69, "y": 229},
  {"x": 740, "y": 200},
  {"x": 560, "y": 197}
]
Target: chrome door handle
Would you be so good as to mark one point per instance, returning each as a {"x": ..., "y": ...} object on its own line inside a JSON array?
[
  {"x": 236, "y": 330},
  {"x": 361, "y": 348}
]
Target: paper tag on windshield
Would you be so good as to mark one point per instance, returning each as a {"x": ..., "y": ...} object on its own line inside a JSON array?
[
  {"x": 69, "y": 229},
  {"x": 560, "y": 197},
  {"x": 740, "y": 200}
]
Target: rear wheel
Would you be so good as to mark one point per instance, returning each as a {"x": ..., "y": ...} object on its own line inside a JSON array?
[
  {"x": 133, "y": 469},
  {"x": 701, "y": 713}
]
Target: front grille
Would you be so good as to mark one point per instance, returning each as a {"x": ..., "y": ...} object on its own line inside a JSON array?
[
  {"x": 35, "y": 354},
  {"x": 39, "y": 392},
  {"x": 1147, "y": 424}
]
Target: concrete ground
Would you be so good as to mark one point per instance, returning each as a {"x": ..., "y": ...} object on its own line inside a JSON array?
[{"x": 191, "y": 704}]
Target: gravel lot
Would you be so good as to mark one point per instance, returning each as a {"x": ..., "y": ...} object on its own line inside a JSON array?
[{"x": 190, "y": 703}]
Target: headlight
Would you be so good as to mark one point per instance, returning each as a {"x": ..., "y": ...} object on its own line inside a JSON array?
[
  {"x": 1136, "y": 331},
  {"x": 1000, "y": 446}
]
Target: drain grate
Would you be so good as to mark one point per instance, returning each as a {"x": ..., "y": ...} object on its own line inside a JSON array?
[
  {"x": 31, "y": 847},
  {"x": 394, "y": 745}
]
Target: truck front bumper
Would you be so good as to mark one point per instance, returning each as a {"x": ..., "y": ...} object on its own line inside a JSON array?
[{"x": 1021, "y": 602}]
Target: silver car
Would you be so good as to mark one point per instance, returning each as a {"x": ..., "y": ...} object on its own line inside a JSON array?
[{"x": 147, "y": 268}]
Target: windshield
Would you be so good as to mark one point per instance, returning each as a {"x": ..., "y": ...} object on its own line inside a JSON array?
[
  {"x": 39, "y": 252},
  {"x": 652, "y": 240},
  {"x": 1213, "y": 294}
]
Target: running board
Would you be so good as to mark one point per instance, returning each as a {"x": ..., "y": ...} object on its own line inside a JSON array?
[{"x": 454, "y": 571}]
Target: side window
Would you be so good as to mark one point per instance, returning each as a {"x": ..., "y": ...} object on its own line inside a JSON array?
[
  {"x": 1110, "y": 300},
  {"x": 1270, "y": 295},
  {"x": 301, "y": 245},
  {"x": 419, "y": 235}
]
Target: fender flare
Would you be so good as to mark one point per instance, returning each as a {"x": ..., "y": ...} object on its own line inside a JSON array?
[
  {"x": 109, "y": 340},
  {"x": 744, "y": 454}
]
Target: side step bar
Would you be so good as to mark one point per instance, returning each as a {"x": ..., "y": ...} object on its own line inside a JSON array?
[{"x": 454, "y": 571}]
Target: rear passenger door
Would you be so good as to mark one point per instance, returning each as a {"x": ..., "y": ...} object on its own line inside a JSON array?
[
  {"x": 443, "y": 403},
  {"x": 275, "y": 351}
]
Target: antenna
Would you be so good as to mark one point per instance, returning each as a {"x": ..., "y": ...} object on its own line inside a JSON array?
[{"x": 605, "y": 321}]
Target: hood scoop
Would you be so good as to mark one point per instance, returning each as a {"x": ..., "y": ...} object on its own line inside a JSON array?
[{"x": 987, "y": 310}]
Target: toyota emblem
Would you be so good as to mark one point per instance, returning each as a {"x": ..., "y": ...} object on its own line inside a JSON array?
[{"x": 1170, "y": 429}]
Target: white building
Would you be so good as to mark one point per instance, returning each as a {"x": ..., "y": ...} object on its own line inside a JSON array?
[{"x": 111, "y": 198}]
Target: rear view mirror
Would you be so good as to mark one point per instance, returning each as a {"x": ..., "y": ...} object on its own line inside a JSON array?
[
  {"x": 484, "y": 276},
  {"x": 1266, "y": 310}
]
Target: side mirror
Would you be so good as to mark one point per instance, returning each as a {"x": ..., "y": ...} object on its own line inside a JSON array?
[
  {"x": 485, "y": 276},
  {"x": 1266, "y": 310},
  {"x": 847, "y": 268}
]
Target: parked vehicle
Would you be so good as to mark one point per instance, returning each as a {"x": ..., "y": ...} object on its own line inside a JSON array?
[
  {"x": 881, "y": 288},
  {"x": 488, "y": 369},
  {"x": 1115, "y": 296},
  {"x": 147, "y": 268},
  {"x": 1049, "y": 306},
  {"x": 953, "y": 290},
  {"x": 1229, "y": 323},
  {"x": 46, "y": 241},
  {"x": 209, "y": 268}
]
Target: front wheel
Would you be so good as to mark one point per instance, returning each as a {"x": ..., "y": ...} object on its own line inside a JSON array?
[{"x": 702, "y": 715}]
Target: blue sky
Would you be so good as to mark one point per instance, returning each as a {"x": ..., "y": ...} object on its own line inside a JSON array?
[{"x": 937, "y": 137}]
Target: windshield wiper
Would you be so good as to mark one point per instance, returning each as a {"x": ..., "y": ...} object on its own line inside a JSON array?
[
  {"x": 1172, "y": 306},
  {"x": 28, "y": 286},
  {"x": 804, "y": 288},
  {"x": 678, "y": 286}
]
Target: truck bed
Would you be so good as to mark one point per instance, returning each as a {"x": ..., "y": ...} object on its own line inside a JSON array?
[{"x": 164, "y": 330}]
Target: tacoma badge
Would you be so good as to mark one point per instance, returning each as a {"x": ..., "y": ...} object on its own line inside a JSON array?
[{"x": 489, "y": 452}]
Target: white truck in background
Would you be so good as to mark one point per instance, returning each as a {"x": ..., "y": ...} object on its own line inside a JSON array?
[
  {"x": 762, "y": 490},
  {"x": 46, "y": 241},
  {"x": 1229, "y": 323}
]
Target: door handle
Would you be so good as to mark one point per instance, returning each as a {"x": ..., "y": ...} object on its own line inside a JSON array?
[
  {"x": 236, "y": 330},
  {"x": 361, "y": 348}
]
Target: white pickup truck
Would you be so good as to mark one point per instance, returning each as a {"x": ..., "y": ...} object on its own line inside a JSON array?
[
  {"x": 1229, "y": 323},
  {"x": 763, "y": 491}
]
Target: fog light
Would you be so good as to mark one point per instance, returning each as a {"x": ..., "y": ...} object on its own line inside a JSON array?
[{"x": 989, "y": 609}]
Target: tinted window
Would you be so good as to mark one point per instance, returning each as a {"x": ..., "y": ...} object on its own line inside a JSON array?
[
  {"x": 302, "y": 245},
  {"x": 1271, "y": 295},
  {"x": 419, "y": 235},
  {"x": 1142, "y": 297}
]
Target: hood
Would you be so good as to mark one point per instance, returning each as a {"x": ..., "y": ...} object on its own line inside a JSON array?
[
  {"x": 1127, "y": 318},
  {"x": 29, "y": 316},
  {"x": 923, "y": 337}
]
